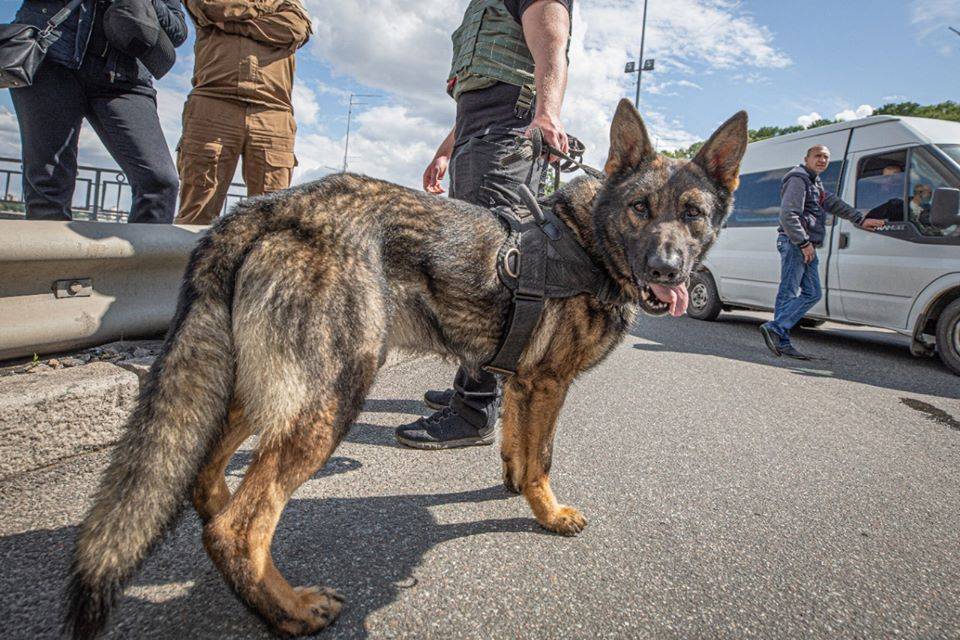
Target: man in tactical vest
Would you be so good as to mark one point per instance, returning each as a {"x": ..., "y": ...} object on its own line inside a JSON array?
[
  {"x": 803, "y": 211},
  {"x": 508, "y": 76}
]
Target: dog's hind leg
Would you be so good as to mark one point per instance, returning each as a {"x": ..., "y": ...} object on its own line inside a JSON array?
[
  {"x": 238, "y": 539},
  {"x": 532, "y": 406},
  {"x": 210, "y": 491}
]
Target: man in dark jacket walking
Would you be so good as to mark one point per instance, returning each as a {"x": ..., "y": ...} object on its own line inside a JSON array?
[
  {"x": 84, "y": 76},
  {"x": 804, "y": 205}
]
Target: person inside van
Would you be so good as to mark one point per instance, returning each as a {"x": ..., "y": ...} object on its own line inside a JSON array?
[
  {"x": 889, "y": 190},
  {"x": 804, "y": 205},
  {"x": 920, "y": 204}
]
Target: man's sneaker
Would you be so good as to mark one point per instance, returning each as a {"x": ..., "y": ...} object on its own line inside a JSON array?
[
  {"x": 791, "y": 352},
  {"x": 445, "y": 429},
  {"x": 771, "y": 338},
  {"x": 438, "y": 399}
]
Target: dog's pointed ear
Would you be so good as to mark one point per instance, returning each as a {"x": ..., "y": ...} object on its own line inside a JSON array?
[
  {"x": 720, "y": 156},
  {"x": 629, "y": 143}
]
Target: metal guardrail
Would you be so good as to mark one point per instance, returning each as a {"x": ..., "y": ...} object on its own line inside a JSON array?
[
  {"x": 66, "y": 285},
  {"x": 102, "y": 194}
]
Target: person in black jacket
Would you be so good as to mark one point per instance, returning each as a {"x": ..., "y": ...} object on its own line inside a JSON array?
[{"x": 84, "y": 77}]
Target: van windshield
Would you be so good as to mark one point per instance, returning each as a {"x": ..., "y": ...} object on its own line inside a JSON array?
[{"x": 952, "y": 150}]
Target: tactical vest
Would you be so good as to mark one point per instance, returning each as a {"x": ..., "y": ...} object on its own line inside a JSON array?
[
  {"x": 488, "y": 47},
  {"x": 813, "y": 218}
]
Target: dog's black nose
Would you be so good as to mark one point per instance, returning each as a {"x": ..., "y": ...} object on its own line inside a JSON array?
[{"x": 665, "y": 269}]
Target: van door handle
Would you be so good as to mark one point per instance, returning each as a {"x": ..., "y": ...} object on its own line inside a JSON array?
[{"x": 844, "y": 240}]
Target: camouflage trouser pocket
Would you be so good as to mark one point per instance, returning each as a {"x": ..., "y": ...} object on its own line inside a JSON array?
[
  {"x": 268, "y": 170},
  {"x": 279, "y": 169},
  {"x": 197, "y": 163}
]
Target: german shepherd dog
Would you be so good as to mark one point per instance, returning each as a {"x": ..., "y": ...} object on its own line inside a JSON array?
[{"x": 288, "y": 308}]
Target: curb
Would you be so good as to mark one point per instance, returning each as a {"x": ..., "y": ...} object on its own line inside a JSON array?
[{"x": 52, "y": 415}]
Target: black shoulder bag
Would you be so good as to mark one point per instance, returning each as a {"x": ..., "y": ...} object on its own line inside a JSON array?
[{"x": 23, "y": 46}]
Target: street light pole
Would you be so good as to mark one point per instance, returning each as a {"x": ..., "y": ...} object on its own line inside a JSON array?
[
  {"x": 346, "y": 144},
  {"x": 643, "y": 34},
  {"x": 954, "y": 30}
]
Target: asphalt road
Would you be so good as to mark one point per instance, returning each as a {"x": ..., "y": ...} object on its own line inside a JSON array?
[{"x": 730, "y": 495}]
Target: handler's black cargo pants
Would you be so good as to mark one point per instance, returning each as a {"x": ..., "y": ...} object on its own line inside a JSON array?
[{"x": 477, "y": 177}]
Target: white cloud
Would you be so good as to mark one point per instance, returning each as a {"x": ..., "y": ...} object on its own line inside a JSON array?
[
  {"x": 930, "y": 19},
  {"x": 862, "y": 111},
  {"x": 402, "y": 49},
  {"x": 384, "y": 45},
  {"x": 753, "y": 77},
  {"x": 932, "y": 15},
  {"x": 305, "y": 107},
  {"x": 810, "y": 118}
]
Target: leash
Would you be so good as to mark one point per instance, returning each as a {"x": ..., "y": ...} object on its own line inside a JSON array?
[{"x": 538, "y": 146}]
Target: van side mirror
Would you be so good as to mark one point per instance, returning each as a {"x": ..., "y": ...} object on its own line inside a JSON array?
[{"x": 945, "y": 210}]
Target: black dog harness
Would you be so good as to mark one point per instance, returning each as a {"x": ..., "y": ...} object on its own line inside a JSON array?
[{"x": 540, "y": 259}]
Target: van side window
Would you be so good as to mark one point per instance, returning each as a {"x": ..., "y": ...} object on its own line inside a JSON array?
[
  {"x": 757, "y": 200},
  {"x": 882, "y": 185},
  {"x": 924, "y": 179}
]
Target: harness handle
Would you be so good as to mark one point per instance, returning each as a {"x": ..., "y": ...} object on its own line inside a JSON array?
[{"x": 546, "y": 223}]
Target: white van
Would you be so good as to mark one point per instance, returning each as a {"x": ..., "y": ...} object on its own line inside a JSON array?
[{"x": 904, "y": 277}]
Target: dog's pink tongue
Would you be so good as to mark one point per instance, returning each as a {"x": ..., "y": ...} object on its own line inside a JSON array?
[{"x": 676, "y": 297}]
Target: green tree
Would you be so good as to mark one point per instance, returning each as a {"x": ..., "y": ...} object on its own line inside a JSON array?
[
  {"x": 948, "y": 110},
  {"x": 548, "y": 181},
  {"x": 687, "y": 152}
]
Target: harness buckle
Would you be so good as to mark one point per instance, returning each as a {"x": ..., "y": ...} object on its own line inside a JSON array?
[{"x": 513, "y": 272}]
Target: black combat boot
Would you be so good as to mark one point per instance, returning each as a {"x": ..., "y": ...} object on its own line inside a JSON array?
[
  {"x": 469, "y": 419},
  {"x": 436, "y": 399}
]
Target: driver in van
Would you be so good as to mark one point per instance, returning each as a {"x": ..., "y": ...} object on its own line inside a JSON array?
[
  {"x": 920, "y": 209},
  {"x": 804, "y": 205},
  {"x": 891, "y": 193}
]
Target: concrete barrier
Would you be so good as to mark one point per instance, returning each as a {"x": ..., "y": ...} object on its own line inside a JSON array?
[
  {"x": 66, "y": 285},
  {"x": 52, "y": 416}
]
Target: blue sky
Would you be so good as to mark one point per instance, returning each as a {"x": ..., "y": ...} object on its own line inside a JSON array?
[{"x": 781, "y": 61}]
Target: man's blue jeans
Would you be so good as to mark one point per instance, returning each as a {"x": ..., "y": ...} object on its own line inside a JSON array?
[{"x": 799, "y": 288}]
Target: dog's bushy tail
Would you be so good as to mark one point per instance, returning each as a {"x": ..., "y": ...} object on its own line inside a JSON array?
[{"x": 181, "y": 410}]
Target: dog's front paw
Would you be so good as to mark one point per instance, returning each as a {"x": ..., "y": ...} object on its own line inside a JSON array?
[
  {"x": 565, "y": 520},
  {"x": 316, "y": 608}
]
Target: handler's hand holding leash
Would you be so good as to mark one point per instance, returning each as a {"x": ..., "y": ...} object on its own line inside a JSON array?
[{"x": 552, "y": 132}]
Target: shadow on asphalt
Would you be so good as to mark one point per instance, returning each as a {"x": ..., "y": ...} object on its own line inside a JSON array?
[
  {"x": 870, "y": 357},
  {"x": 337, "y": 464},
  {"x": 365, "y": 433},
  {"x": 368, "y": 548}
]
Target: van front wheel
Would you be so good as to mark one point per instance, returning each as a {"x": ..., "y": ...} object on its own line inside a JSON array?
[
  {"x": 948, "y": 336},
  {"x": 704, "y": 300}
]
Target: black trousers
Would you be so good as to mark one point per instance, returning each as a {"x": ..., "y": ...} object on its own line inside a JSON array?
[
  {"x": 124, "y": 116},
  {"x": 477, "y": 177}
]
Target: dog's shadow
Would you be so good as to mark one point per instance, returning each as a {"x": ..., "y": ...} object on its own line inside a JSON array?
[{"x": 368, "y": 548}]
